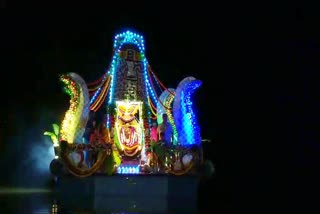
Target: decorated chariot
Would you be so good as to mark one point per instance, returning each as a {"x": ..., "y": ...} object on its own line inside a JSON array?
[{"x": 127, "y": 121}]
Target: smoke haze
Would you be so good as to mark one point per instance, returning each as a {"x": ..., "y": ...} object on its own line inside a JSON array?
[{"x": 28, "y": 153}]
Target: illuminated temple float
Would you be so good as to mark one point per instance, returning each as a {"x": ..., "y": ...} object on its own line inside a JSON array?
[{"x": 131, "y": 99}]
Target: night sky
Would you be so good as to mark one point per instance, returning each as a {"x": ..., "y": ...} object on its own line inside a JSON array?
[{"x": 259, "y": 102}]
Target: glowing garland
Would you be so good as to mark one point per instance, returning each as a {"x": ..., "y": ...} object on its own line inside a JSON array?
[
  {"x": 158, "y": 81},
  {"x": 97, "y": 103},
  {"x": 96, "y": 87},
  {"x": 168, "y": 102},
  {"x": 102, "y": 99},
  {"x": 155, "y": 78},
  {"x": 96, "y": 82},
  {"x": 151, "y": 104},
  {"x": 69, "y": 123},
  {"x": 151, "y": 109}
]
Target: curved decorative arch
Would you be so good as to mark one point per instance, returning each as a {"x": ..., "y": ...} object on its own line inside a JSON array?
[{"x": 184, "y": 116}]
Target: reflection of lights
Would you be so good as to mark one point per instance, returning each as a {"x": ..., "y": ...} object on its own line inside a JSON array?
[
  {"x": 56, "y": 144},
  {"x": 56, "y": 157},
  {"x": 128, "y": 169},
  {"x": 125, "y": 212},
  {"x": 54, "y": 209}
]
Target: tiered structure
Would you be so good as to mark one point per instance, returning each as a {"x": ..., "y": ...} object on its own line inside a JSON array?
[{"x": 132, "y": 98}]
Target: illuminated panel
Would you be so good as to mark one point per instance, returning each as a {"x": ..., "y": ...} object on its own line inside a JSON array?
[
  {"x": 190, "y": 124},
  {"x": 129, "y": 127},
  {"x": 127, "y": 37},
  {"x": 184, "y": 115},
  {"x": 128, "y": 169}
]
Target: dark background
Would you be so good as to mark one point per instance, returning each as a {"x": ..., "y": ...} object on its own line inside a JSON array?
[{"x": 259, "y": 102}]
